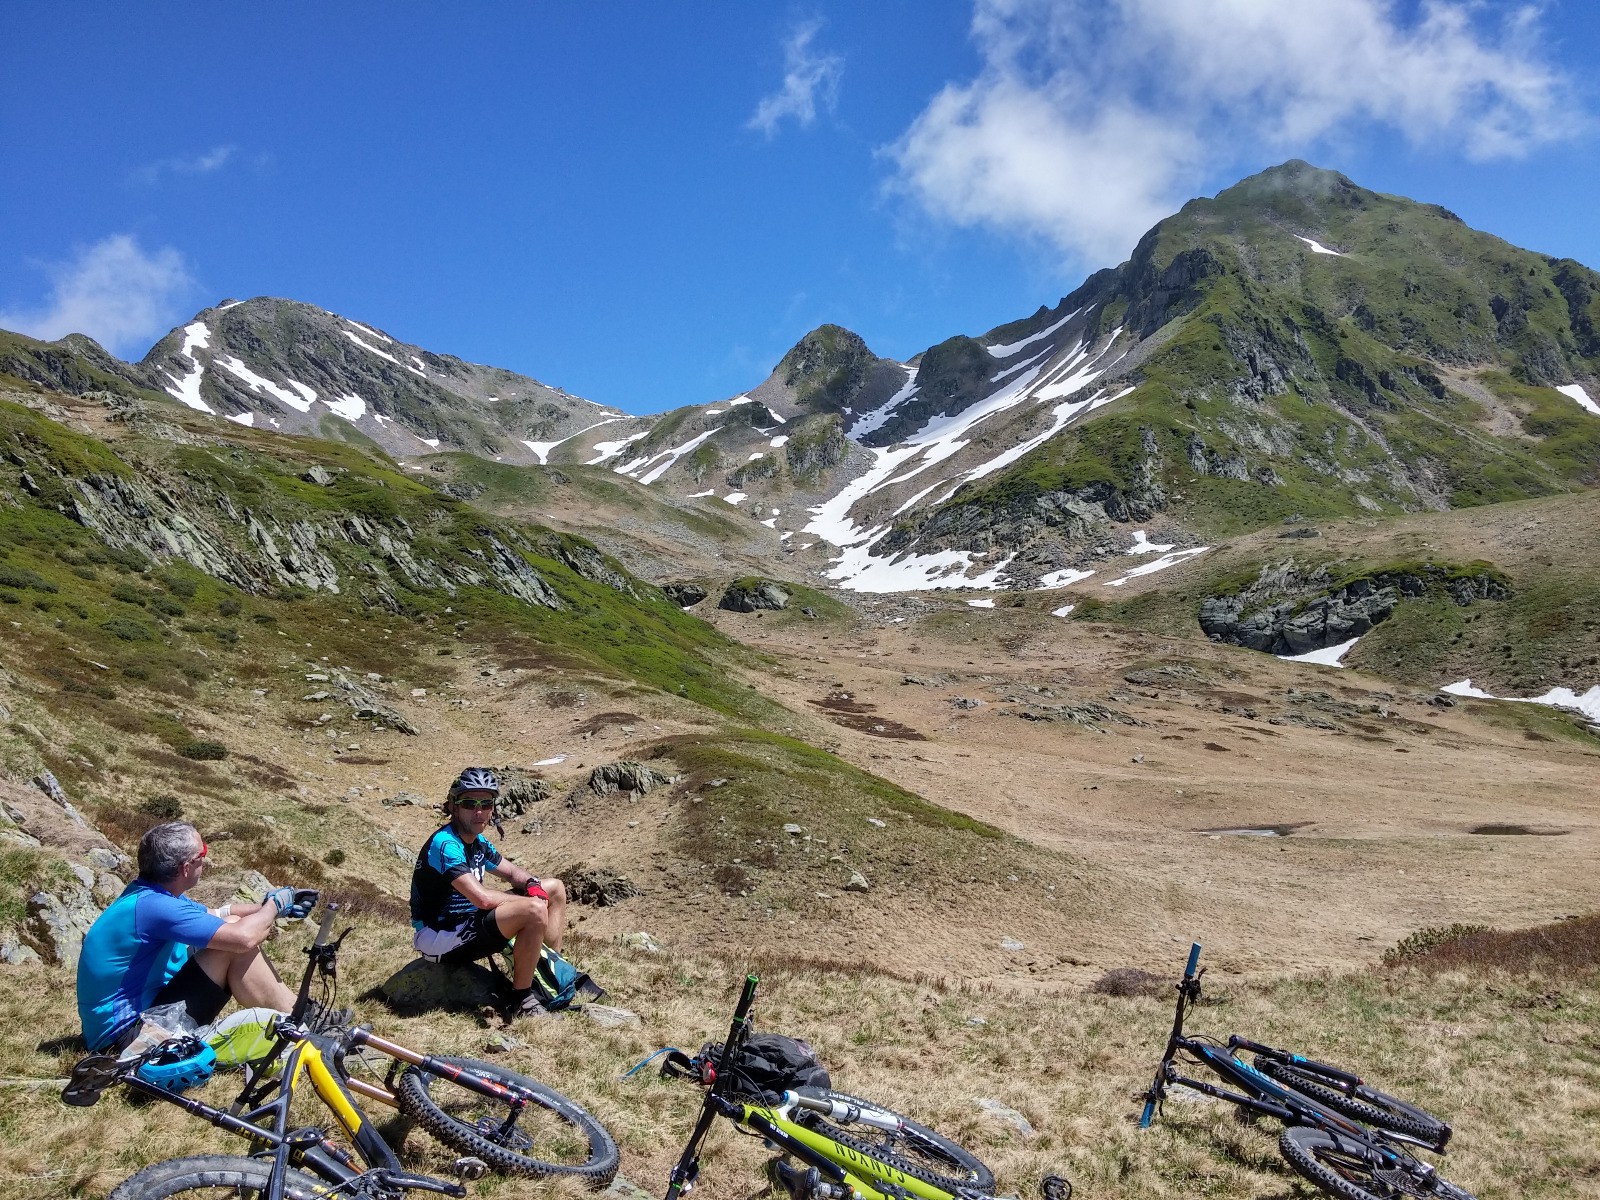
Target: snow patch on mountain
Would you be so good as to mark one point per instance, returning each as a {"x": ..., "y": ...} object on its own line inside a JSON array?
[
  {"x": 1575, "y": 391},
  {"x": 1010, "y": 348},
  {"x": 1319, "y": 248},
  {"x": 369, "y": 347},
  {"x": 1160, "y": 564},
  {"x": 187, "y": 390},
  {"x": 1588, "y": 703},
  {"x": 874, "y": 421},
  {"x": 1328, "y": 656},
  {"x": 605, "y": 450},
  {"x": 349, "y": 406},
  {"x": 257, "y": 383}
]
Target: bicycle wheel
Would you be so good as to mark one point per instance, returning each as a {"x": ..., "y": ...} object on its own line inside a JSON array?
[
  {"x": 916, "y": 1149},
  {"x": 552, "y": 1135},
  {"x": 216, "y": 1175},
  {"x": 1370, "y": 1107},
  {"x": 1343, "y": 1167}
]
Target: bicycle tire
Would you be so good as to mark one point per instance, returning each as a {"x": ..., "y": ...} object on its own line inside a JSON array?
[
  {"x": 917, "y": 1150},
  {"x": 1370, "y": 1108},
  {"x": 463, "y": 1119},
  {"x": 215, "y": 1175},
  {"x": 1343, "y": 1167}
]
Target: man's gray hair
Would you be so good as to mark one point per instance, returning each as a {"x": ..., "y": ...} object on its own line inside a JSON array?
[{"x": 165, "y": 849}]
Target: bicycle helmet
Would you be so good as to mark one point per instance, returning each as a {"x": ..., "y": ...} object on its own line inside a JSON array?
[
  {"x": 180, "y": 1063},
  {"x": 474, "y": 779}
]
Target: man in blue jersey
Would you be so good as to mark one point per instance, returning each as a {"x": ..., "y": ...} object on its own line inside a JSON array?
[
  {"x": 457, "y": 919},
  {"x": 155, "y": 949}
]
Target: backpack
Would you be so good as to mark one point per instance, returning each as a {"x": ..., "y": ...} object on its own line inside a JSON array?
[
  {"x": 768, "y": 1064},
  {"x": 558, "y": 983}
]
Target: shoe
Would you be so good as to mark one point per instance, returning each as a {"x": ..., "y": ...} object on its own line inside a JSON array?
[
  {"x": 524, "y": 1002},
  {"x": 321, "y": 1019}
]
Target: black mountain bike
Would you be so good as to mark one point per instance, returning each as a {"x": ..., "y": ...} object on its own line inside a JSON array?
[
  {"x": 500, "y": 1119},
  {"x": 1347, "y": 1138}
]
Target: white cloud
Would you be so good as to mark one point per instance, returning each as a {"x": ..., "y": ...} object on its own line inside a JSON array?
[
  {"x": 808, "y": 78},
  {"x": 113, "y": 291},
  {"x": 1090, "y": 119},
  {"x": 201, "y": 164}
]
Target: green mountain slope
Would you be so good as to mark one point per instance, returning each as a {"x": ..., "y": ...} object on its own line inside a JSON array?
[{"x": 1413, "y": 367}]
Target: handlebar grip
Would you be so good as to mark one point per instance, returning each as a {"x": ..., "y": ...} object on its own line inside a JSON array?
[
  {"x": 328, "y": 915},
  {"x": 1194, "y": 961},
  {"x": 746, "y": 998},
  {"x": 1149, "y": 1112}
]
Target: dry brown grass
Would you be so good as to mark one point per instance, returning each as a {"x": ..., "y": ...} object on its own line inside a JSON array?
[{"x": 1513, "y": 1061}]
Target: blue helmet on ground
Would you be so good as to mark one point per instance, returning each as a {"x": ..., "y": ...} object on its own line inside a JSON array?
[{"x": 181, "y": 1063}]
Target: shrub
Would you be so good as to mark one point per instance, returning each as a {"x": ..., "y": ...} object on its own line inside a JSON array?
[
  {"x": 128, "y": 629},
  {"x": 1425, "y": 941},
  {"x": 129, "y": 594},
  {"x": 203, "y": 751},
  {"x": 166, "y": 606},
  {"x": 334, "y": 857},
  {"x": 1569, "y": 946},
  {"x": 162, "y": 808},
  {"x": 178, "y": 585},
  {"x": 21, "y": 577},
  {"x": 229, "y": 607}
]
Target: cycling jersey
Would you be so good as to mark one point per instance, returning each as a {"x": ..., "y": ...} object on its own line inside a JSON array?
[
  {"x": 139, "y": 943},
  {"x": 435, "y": 903}
]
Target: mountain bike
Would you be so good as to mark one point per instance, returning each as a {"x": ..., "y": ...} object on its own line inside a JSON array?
[
  {"x": 499, "y": 1118},
  {"x": 1345, "y": 1137},
  {"x": 848, "y": 1148}
]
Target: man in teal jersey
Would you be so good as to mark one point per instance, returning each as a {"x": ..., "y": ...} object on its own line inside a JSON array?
[
  {"x": 457, "y": 919},
  {"x": 154, "y": 948}
]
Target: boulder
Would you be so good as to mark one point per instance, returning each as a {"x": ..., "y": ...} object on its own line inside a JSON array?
[
  {"x": 57, "y": 921},
  {"x": 422, "y": 986},
  {"x": 641, "y": 941},
  {"x": 685, "y": 594},
  {"x": 625, "y": 777},
  {"x": 520, "y": 790},
  {"x": 752, "y": 595},
  {"x": 597, "y": 885}
]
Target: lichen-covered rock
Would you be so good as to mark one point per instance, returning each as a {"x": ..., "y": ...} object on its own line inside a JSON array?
[
  {"x": 57, "y": 921},
  {"x": 625, "y": 777},
  {"x": 752, "y": 595},
  {"x": 520, "y": 790}
]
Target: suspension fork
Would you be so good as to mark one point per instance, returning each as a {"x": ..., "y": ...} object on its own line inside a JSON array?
[{"x": 1188, "y": 992}]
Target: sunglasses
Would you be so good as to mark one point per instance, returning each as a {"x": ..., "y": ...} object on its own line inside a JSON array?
[
  {"x": 204, "y": 850},
  {"x": 476, "y": 805}
]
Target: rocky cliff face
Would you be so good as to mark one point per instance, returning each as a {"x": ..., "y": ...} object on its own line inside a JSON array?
[{"x": 1294, "y": 610}]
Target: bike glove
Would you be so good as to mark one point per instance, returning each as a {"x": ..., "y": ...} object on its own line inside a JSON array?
[
  {"x": 305, "y": 899},
  {"x": 281, "y": 898}
]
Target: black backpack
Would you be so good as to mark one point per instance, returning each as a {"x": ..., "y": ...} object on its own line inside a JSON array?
[{"x": 765, "y": 1065}]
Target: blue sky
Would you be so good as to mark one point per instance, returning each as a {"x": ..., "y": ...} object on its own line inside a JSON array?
[{"x": 647, "y": 204}]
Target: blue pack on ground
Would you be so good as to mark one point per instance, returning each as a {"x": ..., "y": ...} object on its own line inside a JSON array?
[{"x": 181, "y": 1063}]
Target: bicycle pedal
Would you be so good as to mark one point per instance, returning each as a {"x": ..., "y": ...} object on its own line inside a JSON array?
[
  {"x": 469, "y": 1168},
  {"x": 90, "y": 1078},
  {"x": 1056, "y": 1187}
]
